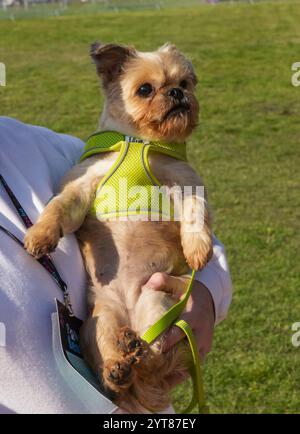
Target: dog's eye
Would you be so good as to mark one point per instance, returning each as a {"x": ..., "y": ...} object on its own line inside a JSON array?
[
  {"x": 145, "y": 90},
  {"x": 183, "y": 84}
]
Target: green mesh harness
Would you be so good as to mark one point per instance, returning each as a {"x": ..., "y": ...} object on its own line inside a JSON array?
[
  {"x": 132, "y": 166},
  {"x": 127, "y": 188}
]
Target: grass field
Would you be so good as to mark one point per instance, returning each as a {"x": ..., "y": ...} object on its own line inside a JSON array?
[
  {"x": 67, "y": 7},
  {"x": 247, "y": 148}
]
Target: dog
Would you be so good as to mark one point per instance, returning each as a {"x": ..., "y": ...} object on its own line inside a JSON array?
[{"x": 150, "y": 96}]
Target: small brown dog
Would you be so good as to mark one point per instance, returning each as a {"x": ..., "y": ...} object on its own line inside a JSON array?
[{"x": 149, "y": 96}]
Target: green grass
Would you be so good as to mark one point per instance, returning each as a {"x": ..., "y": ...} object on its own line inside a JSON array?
[
  {"x": 39, "y": 10},
  {"x": 247, "y": 148}
]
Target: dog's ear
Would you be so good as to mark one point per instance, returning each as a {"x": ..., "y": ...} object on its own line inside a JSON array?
[
  {"x": 168, "y": 47},
  {"x": 172, "y": 49},
  {"x": 109, "y": 58}
]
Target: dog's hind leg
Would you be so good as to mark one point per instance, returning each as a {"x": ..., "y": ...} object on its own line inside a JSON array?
[
  {"x": 131, "y": 346},
  {"x": 110, "y": 347},
  {"x": 151, "y": 387}
]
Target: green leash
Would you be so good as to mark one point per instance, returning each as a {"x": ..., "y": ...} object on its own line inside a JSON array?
[{"x": 169, "y": 318}]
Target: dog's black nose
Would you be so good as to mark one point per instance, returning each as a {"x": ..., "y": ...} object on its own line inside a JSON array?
[{"x": 176, "y": 93}]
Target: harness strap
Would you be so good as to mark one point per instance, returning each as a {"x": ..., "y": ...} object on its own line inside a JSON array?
[
  {"x": 161, "y": 325},
  {"x": 107, "y": 141}
]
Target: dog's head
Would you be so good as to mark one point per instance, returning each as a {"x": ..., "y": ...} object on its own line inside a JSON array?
[{"x": 150, "y": 95}]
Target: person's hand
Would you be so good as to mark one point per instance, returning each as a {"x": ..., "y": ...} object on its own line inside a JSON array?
[{"x": 199, "y": 314}]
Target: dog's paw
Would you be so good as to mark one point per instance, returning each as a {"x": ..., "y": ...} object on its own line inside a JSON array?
[
  {"x": 197, "y": 249},
  {"x": 131, "y": 345},
  {"x": 41, "y": 239},
  {"x": 117, "y": 375},
  {"x": 195, "y": 232}
]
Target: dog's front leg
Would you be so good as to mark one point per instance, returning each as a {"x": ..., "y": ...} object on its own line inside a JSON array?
[
  {"x": 191, "y": 205},
  {"x": 195, "y": 231},
  {"x": 65, "y": 213}
]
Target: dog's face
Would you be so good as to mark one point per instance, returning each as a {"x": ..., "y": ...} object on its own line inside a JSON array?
[{"x": 150, "y": 95}]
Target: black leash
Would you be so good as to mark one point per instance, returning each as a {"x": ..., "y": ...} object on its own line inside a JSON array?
[{"x": 45, "y": 260}]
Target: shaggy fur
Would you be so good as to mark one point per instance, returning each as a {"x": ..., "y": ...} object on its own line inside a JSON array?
[{"x": 120, "y": 256}]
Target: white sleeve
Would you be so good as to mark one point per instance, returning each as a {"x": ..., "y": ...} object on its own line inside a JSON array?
[
  {"x": 216, "y": 277},
  {"x": 33, "y": 160}
]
